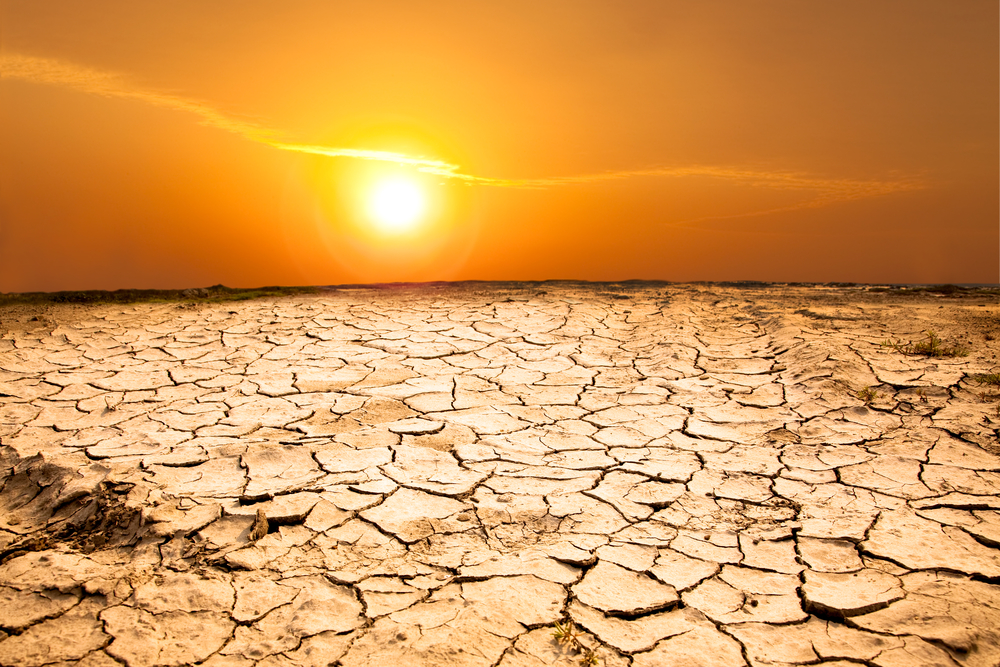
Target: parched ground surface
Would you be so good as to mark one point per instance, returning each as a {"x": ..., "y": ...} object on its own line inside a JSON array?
[{"x": 453, "y": 475}]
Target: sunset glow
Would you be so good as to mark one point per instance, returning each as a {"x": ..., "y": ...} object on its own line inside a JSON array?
[
  {"x": 396, "y": 205},
  {"x": 326, "y": 144}
]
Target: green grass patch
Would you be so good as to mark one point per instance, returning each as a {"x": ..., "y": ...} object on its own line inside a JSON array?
[
  {"x": 931, "y": 346},
  {"x": 867, "y": 395},
  {"x": 988, "y": 379}
]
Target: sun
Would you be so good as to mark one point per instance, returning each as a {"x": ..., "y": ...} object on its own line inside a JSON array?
[{"x": 396, "y": 205}]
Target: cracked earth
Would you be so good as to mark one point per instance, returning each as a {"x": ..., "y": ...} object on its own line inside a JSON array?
[{"x": 439, "y": 475}]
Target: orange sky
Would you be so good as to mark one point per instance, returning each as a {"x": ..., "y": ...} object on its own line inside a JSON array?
[{"x": 169, "y": 145}]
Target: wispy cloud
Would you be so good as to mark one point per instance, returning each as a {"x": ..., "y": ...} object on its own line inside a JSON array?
[
  {"x": 823, "y": 191},
  {"x": 108, "y": 84}
]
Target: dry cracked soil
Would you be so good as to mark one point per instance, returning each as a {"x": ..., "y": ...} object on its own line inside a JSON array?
[{"x": 506, "y": 474}]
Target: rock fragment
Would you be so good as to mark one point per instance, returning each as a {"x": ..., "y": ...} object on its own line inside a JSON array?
[
  {"x": 69, "y": 637},
  {"x": 699, "y": 646},
  {"x": 413, "y": 515},
  {"x": 172, "y": 638},
  {"x": 920, "y": 543},
  {"x": 639, "y": 634},
  {"x": 840, "y": 595},
  {"x": 620, "y": 592},
  {"x": 948, "y": 610}
]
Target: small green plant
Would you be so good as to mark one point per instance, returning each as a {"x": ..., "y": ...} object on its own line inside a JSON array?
[
  {"x": 930, "y": 347},
  {"x": 867, "y": 395},
  {"x": 567, "y": 635},
  {"x": 988, "y": 378}
]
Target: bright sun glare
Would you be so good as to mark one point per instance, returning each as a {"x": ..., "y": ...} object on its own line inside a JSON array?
[{"x": 396, "y": 205}]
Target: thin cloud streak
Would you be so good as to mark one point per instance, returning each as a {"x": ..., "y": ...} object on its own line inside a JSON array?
[
  {"x": 87, "y": 80},
  {"x": 107, "y": 84},
  {"x": 828, "y": 191},
  {"x": 96, "y": 82}
]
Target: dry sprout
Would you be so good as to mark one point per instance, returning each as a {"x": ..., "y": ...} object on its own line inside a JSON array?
[{"x": 568, "y": 636}]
